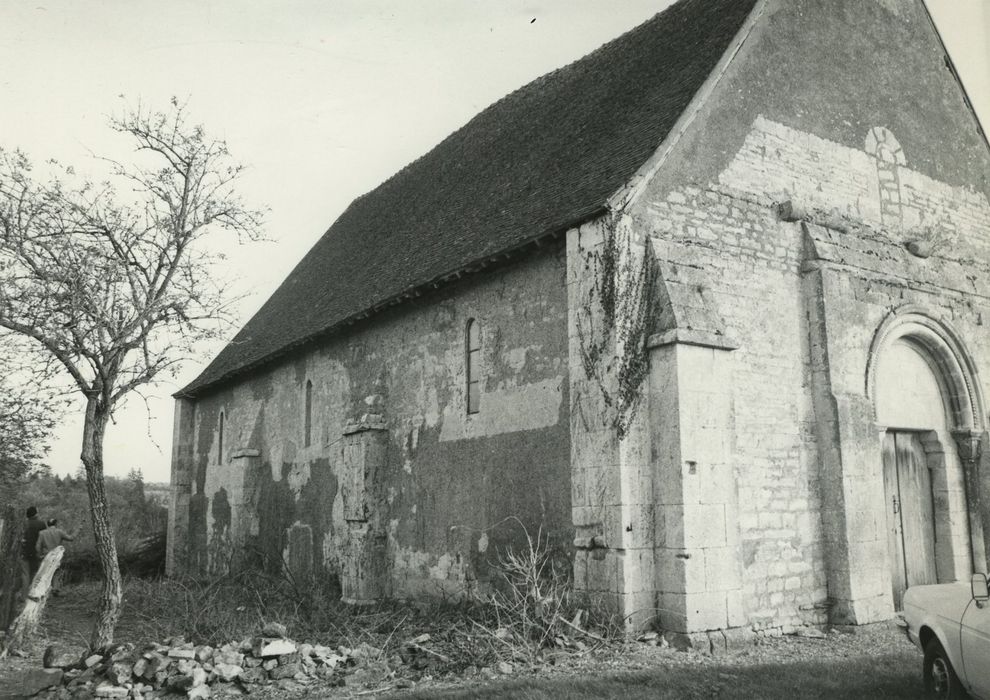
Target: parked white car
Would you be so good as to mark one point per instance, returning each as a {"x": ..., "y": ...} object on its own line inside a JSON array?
[{"x": 950, "y": 623}]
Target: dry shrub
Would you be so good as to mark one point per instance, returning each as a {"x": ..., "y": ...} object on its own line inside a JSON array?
[
  {"x": 234, "y": 606},
  {"x": 530, "y": 608},
  {"x": 532, "y": 603},
  {"x": 208, "y": 612}
]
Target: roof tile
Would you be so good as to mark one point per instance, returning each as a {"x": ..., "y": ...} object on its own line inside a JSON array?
[{"x": 536, "y": 162}]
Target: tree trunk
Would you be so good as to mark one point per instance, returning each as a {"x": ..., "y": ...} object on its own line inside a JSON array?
[
  {"x": 26, "y": 623},
  {"x": 94, "y": 429},
  {"x": 10, "y": 565}
]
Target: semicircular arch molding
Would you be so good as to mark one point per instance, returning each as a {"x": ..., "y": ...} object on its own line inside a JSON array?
[{"x": 944, "y": 349}]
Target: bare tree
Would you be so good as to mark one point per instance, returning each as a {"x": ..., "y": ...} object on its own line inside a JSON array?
[
  {"x": 112, "y": 281},
  {"x": 27, "y": 417}
]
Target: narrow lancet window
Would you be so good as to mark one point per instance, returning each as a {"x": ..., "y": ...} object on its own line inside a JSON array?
[
  {"x": 308, "y": 434},
  {"x": 220, "y": 441},
  {"x": 473, "y": 366}
]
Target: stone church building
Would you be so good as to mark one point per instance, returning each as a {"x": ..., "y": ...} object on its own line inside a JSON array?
[{"x": 709, "y": 308}]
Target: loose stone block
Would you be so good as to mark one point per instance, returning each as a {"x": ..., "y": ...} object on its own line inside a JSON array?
[
  {"x": 264, "y": 648},
  {"x": 286, "y": 670},
  {"x": 227, "y": 672},
  {"x": 177, "y": 653},
  {"x": 199, "y": 691}
]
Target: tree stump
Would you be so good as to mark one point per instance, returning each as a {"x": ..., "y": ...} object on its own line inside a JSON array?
[{"x": 26, "y": 623}]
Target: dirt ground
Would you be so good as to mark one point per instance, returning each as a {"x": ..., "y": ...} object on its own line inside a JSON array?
[{"x": 875, "y": 662}]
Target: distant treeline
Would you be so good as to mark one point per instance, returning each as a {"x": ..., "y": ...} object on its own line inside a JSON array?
[{"x": 138, "y": 511}]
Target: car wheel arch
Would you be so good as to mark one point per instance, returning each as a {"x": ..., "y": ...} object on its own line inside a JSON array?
[{"x": 952, "y": 686}]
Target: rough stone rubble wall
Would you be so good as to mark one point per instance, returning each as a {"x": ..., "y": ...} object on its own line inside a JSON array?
[{"x": 449, "y": 486}]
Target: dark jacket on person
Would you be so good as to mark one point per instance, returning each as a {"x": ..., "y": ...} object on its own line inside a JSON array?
[{"x": 34, "y": 526}]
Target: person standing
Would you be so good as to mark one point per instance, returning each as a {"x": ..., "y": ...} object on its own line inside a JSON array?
[
  {"x": 48, "y": 539},
  {"x": 51, "y": 537},
  {"x": 30, "y": 561}
]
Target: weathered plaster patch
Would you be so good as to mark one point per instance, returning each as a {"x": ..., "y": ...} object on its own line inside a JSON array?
[
  {"x": 509, "y": 410},
  {"x": 298, "y": 552},
  {"x": 777, "y": 163},
  {"x": 224, "y": 491},
  {"x": 408, "y": 367},
  {"x": 447, "y": 566},
  {"x": 220, "y": 551},
  {"x": 282, "y": 452},
  {"x": 432, "y": 404},
  {"x": 417, "y": 568},
  {"x": 409, "y": 444},
  {"x": 516, "y": 357},
  {"x": 329, "y": 549},
  {"x": 298, "y": 477},
  {"x": 764, "y": 168}
]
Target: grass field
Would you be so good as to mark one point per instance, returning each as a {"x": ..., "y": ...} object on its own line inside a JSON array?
[{"x": 889, "y": 676}]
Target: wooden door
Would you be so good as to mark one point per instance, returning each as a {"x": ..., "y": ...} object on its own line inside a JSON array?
[{"x": 910, "y": 513}]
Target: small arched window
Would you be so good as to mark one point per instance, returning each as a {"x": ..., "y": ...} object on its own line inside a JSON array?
[
  {"x": 473, "y": 366},
  {"x": 220, "y": 441},
  {"x": 308, "y": 421}
]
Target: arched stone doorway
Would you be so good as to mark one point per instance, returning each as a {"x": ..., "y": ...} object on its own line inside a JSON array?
[{"x": 929, "y": 415}]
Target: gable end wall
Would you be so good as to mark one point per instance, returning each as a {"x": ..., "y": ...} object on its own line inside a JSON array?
[{"x": 847, "y": 111}]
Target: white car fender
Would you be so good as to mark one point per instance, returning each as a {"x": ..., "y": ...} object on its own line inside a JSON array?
[{"x": 938, "y": 608}]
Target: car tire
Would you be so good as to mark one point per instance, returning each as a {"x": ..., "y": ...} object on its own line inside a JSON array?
[{"x": 941, "y": 681}]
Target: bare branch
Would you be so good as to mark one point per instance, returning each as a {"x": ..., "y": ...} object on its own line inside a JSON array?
[{"x": 115, "y": 282}]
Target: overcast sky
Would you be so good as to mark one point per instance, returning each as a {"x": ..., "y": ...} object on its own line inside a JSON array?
[{"x": 323, "y": 100}]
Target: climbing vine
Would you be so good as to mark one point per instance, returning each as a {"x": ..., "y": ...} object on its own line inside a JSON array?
[{"x": 620, "y": 302}]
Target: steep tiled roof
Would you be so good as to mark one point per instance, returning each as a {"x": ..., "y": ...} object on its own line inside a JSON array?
[{"x": 536, "y": 162}]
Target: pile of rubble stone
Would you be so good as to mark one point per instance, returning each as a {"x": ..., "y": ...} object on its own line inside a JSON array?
[{"x": 180, "y": 667}]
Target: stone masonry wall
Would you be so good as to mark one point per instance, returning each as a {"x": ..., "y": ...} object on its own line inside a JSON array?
[
  {"x": 730, "y": 232},
  {"x": 751, "y": 263},
  {"x": 450, "y": 490},
  {"x": 743, "y": 490},
  {"x": 845, "y": 110}
]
